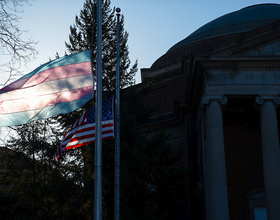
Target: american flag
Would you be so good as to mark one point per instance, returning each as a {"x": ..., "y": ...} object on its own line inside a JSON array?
[{"x": 83, "y": 131}]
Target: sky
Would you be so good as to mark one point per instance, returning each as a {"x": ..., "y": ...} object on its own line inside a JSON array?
[{"x": 153, "y": 25}]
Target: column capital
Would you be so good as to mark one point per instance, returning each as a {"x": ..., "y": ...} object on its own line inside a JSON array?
[
  {"x": 207, "y": 99},
  {"x": 261, "y": 99}
]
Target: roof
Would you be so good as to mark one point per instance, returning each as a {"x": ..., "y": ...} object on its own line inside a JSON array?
[{"x": 243, "y": 20}]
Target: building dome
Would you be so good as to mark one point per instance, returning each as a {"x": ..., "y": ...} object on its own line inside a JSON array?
[{"x": 243, "y": 20}]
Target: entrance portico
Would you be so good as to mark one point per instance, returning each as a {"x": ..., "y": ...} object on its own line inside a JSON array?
[{"x": 257, "y": 79}]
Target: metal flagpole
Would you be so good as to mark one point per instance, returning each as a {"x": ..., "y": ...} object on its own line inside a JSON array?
[
  {"x": 98, "y": 127},
  {"x": 117, "y": 140}
]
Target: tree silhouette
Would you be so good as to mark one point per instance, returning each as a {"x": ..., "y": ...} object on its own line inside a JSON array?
[{"x": 83, "y": 37}]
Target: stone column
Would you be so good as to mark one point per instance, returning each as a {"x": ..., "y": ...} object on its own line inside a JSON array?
[
  {"x": 215, "y": 160},
  {"x": 271, "y": 154}
]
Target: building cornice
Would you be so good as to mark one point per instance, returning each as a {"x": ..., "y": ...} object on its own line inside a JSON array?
[
  {"x": 147, "y": 73},
  {"x": 240, "y": 62}
]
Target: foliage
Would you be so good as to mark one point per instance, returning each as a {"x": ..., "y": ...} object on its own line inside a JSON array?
[
  {"x": 48, "y": 189},
  {"x": 33, "y": 190},
  {"x": 83, "y": 37}
]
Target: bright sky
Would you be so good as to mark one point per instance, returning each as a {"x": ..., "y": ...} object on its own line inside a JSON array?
[{"x": 153, "y": 25}]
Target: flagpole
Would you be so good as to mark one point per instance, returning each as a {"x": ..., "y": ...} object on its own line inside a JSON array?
[
  {"x": 98, "y": 134},
  {"x": 117, "y": 140}
]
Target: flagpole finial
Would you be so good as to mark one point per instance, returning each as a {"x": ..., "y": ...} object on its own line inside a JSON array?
[{"x": 118, "y": 10}]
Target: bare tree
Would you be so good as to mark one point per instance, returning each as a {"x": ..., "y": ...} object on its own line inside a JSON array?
[{"x": 12, "y": 45}]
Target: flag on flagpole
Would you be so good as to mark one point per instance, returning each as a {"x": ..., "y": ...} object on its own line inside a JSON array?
[
  {"x": 83, "y": 131},
  {"x": 57, "y": 87}
]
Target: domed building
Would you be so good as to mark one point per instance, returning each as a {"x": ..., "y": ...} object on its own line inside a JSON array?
[{"x": 218, "y": 91}]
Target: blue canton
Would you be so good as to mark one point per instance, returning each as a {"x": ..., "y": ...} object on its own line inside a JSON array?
[{"x": 107, "y": 111}]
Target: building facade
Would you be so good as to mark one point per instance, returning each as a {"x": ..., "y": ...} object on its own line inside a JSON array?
[{"x": 218, "y": 92}]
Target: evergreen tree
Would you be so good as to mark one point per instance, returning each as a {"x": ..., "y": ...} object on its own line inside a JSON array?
[
  {"x": 83, "y": 37},
  {"x": 146, "y": 164},
  {"x": 152, "y": 186},
  {"x": 57, "y": 197}
]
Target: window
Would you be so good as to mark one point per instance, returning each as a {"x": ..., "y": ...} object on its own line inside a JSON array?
[
  {"x": 257, "y": 204},
  {"x": 260, "y": 213}
]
